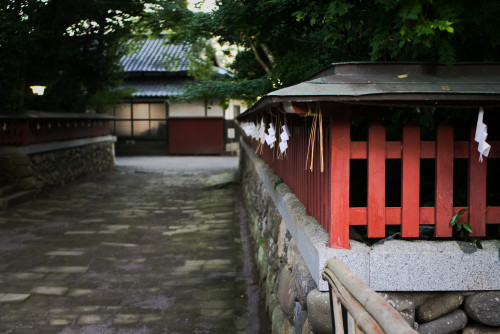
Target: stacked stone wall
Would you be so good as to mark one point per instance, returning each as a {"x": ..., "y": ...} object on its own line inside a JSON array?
[
  {"x": 53, "y": 168},
  {"x": 295, "y": 305},
  {"x": 284, "y": 277}
]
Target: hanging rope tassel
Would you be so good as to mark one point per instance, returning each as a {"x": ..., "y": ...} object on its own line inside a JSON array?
[{"x": 312, "y": 138}]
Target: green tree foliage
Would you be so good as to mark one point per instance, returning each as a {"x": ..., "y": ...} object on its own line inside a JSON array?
[
  {"x": 72, "y": 47},
  {"x": 284, "y": 41},
  {"x": 409, "y": 30}
]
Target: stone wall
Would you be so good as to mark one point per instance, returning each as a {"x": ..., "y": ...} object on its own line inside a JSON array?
[
  {"x": 293, "y": 300},
  {"x": 35, "y": 171},
  {"x": 285, "y": 279}
]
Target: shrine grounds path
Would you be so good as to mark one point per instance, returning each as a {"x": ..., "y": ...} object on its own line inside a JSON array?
[{"x": 153, "y": 246}]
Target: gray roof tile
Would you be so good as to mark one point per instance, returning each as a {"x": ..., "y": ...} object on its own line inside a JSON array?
[
  {"x": 154, "y": 89},
  {"x": 158, "y": 56}
]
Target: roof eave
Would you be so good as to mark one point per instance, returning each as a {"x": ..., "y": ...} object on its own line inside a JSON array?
[{"x": 445, "y": 100}]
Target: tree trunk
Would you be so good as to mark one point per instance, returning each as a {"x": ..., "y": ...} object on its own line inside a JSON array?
[
  {"x": 259, "y": 59},
  {"x": 268, "y": 53}
]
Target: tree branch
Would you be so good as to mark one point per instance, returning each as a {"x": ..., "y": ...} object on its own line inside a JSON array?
[
  {"x": 259, "y": 59},
  {"x": 268, "y": 52},
  {"x": 257, "y": 56}
]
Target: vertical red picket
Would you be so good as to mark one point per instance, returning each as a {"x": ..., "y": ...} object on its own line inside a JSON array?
[
  {"x": 410, "y": 182},
  {"x": 300, "y": 159},
  {"x": 340, "y": 133},
  {"x": 444, "y": 181},
  {"x": 315, "y": 183},
  {"x": 328, "y": 183},
  {"x": 317, "y": 189},
  {"x": 324, "y": 183},
  {"x": 23, "y": 128},
  {"x": 376, "y": 181},
  {"x": 477, "y": 189},
  {"x": 307, "y": 172}
]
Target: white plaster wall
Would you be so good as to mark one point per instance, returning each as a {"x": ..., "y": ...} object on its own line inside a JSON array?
[
  {"x": 230, "y": 110},
  {"x": 214, "y": 109},
  {"x": 187, "y": 109},
  {"x": 197, "y": 109}
]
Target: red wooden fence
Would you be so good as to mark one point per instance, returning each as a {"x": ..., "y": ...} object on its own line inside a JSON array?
[
  {"x": 25, "y": 130},
  {"x": 326, "y": 194}
]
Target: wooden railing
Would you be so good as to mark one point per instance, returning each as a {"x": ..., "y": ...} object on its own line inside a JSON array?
[
  {"x": 34, "y": 128},
  {"x": 366, "y": 309},
  {"x": 325, "y": 194}
]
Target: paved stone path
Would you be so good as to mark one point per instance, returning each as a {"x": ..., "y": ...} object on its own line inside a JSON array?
[{"x": 139, "y": 249}]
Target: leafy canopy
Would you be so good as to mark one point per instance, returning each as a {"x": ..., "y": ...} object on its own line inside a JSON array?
[
  {"x": 283, "y": 41},
  {"x": 72, "y": 47}
]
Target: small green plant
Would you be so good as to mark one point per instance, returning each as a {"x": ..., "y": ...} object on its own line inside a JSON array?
[
  {"x": 464, "y": 228},
  {"x": 261, "y": 241},
  {"x": 277, "y": 183}
]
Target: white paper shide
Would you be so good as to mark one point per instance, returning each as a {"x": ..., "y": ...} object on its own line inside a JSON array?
[
  {"x": 481, "y": 133},
  {"x": 271, "y": 135},
  {"x": 284, "y": 137}
]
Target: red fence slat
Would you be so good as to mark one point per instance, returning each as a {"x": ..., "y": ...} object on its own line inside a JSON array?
[
  {"x": 428, "y": 151},
  {"x": 376, "y": 182},
  {"x": 444, "y": 181},
  {"x": 340, "y": 132},
  {"x": 477, "y": 189},
  {"x": 493, "y": 214},
  {"x": 410, "y": 182}
]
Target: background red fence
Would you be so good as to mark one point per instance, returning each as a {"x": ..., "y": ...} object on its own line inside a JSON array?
[
  {"x": 326, "y": 194},
  {"x": 26, "y": 129}
]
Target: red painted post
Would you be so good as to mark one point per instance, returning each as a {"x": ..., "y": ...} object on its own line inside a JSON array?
[
  {"x": 314, "y": 185},
  {"x": 324, "y": 186},
  {"x": 410, "y": 182},
  {"x": 340, "y": 132},
  {"x": 327, "y": 186},
  {"x": 304, "y": 170},
  {"x": 317, "y": 187},
  {"x": 23, "y": 129},
  {"x": 444, "y": 181},
  {"x": 376, "y": 181},
  {"x": 477, "y": 189},
  {"x": 305, "y": 180},
  {"x": 302, "y": 162}
]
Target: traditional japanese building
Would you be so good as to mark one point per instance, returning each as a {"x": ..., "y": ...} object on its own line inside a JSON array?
[{"x": 147, "y": 125}]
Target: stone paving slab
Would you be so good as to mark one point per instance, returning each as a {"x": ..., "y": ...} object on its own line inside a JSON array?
[
  {"x": 13, "y": 297},
  {"x": 49, "y": 290},
  {"x": 126, "y": 252}
]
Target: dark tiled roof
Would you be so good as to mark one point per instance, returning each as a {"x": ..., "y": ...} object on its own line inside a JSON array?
[
  {"x": 158, "y": 56},
  {"x": 154, "y": 89},
  {"x": 407, "y": 84}
]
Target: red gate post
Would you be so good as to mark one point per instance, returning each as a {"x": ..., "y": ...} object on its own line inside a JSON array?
[
  {"x": 444, "y": 181},
  {"x": 410, "y": 182},
  {"x": 376, "y": 181},
  {"x": 477, "y": 189},
  {"x": 340, "y": 144}
]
